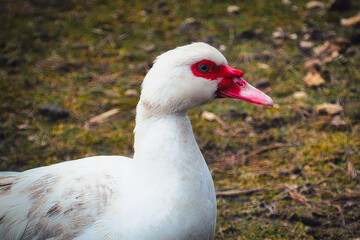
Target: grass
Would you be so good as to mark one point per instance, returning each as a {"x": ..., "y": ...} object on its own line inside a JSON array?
[{"x": 84, "y": 55}]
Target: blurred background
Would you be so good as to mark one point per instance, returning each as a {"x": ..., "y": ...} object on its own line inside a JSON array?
[{"x": 70, "y": 75}]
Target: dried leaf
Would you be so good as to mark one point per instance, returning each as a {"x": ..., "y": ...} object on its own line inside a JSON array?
[
  {"x": 298, "y": 197},
  {"x": 327, "y": 52},
  {"x": 328, "y": 47},
  {"x": 351, "y": 170},
  {"x": 286, "y": 2},
  {"x": 220, "y": 132},
  {"x": 149, "y": 48},
  {"x": 209, "y": 116},
  {"x": 233, "y": 9},
  {"x": 306, "y": 45},
  {"x": 23, "y": 126},
  {"x": 131, "y": 93},
  {"x": 300, "y": 95},
  {"x": 278, "y": 34},
  {"x": 329, "y": 108},
  {"x": 315, "y": 4},
  {"x": 338, "y": 122},
  {"x": 314, "y": 79},
  {"x": 312, "y": 63},
  {"x": 352, "y": 21}
]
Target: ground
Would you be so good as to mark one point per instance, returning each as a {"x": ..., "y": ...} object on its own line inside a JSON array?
[{"x": 289, "y": 172}]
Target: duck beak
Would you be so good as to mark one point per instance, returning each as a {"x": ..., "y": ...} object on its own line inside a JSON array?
[{"x": 236, "y": 87}]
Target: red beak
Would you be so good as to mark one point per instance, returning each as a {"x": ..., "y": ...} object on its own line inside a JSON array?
[{"x": 235, "y": 87}]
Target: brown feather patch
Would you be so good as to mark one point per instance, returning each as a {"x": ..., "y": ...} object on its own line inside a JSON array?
[{"x": 54, "y": 210}]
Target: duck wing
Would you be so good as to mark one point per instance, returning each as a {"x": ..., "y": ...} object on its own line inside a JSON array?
[{"x": 60, "y": 201}]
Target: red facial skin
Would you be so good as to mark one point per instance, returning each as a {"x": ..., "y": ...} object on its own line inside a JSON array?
[
  {"x": 232, "y": 85},
  {"x": 215, "y": 71}
]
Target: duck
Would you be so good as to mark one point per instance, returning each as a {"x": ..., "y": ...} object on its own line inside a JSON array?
[{"x": 165, "y": 191}]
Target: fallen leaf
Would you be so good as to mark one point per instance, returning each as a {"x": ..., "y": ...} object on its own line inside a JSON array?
[
  {"x": 314, "y": 79},
  {"x": 329, "y": 108},
  {"x": 327, "y": 52},
  {"x": 293, "y": 36},
  {"x": 312, "y": 64},
  {"x": 338, "y": 122},
  {"x": 131, "y": 93},
  {"x": 233, "y": 9},
  {"x": 23, "y": 126},
  {"x": 306, "y": 45},
  {"x": 352, "y": 21},
  {"x": 298, "y": 197},
  {"x": 209, "y": 116},
  {"x": 220, "y": 132},
  {"x": 263, "y": 66},
  {"x": 189, "y": 25},
  {"x": 149, "y": 48},
  {"x": 286, "y": 2},
  {"x": 328, "y": 47},
  {"x": 275, "y": 105},
  {"x": 300, "y": 95},
  {"x": 315, "y": 4},
  {"x": 351, "y": 170},
  {"x": 33, "y": 138},
  {"x": 278, "y": 34}
]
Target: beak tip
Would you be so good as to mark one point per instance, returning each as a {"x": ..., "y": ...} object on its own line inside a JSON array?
[{"x": 269, "y": 101}]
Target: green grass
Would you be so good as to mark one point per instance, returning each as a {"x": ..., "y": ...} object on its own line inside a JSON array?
[{"x": 84, "y": 55}]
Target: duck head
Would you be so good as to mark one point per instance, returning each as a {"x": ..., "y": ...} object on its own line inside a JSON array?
[{"x": 191, "y": 75}]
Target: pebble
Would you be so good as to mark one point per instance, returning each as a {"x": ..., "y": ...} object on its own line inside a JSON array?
[
  {"x": 222, "y": 47},
  {"x": 54, "y": 112}
]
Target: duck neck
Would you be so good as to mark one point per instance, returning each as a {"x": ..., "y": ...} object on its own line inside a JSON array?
[{"x": 166, "y": 140}]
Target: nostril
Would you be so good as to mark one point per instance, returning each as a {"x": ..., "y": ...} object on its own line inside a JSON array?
[{"x": 240, "y": 84}]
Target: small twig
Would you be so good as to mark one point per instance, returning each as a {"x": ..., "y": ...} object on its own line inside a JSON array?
[
  {"x": 264, "y": 149},
  {"x": 348, "y": 196},
  {"x": 235, "y": 192},
  {"x": 338, "y": 207},
  {"x": 213, "y": 170},
  {"x": 100, "y": 118}
]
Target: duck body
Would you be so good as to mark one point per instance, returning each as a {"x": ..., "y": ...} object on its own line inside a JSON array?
[
  {"x": 164, "y": 192},
  {"x": 112, "y": 197}
]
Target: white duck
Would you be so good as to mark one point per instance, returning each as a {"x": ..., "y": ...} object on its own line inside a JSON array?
[{"x": 164, "y": 192}]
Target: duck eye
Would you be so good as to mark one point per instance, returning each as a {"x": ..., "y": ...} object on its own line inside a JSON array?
[{"x": 204, "y": 68}]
